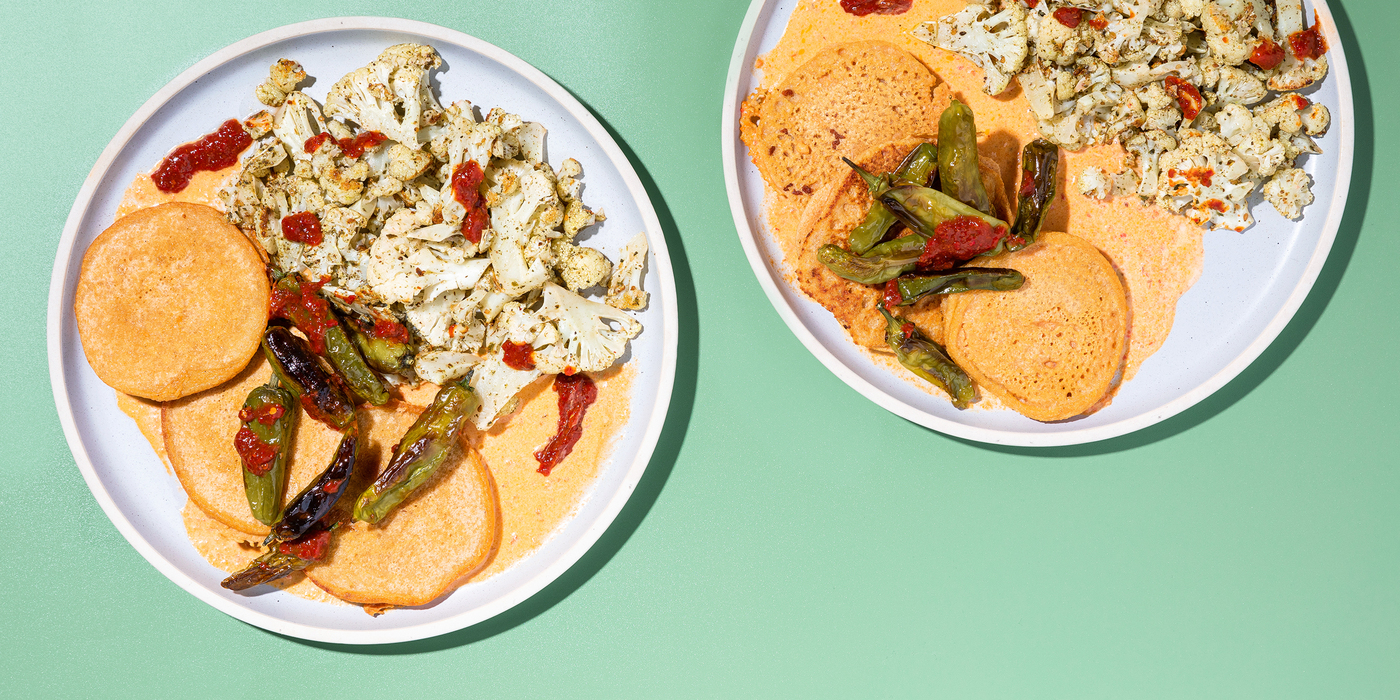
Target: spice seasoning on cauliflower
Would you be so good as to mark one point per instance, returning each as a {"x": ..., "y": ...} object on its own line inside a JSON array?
[
  {"x": 467, "y": 262},
  {"x": 1173, "y": 81}
]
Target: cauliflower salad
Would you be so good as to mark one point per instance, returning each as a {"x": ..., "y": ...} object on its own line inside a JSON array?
[
  {"x": 1183, "y": 85},
  {"x": 437, "y": 221}
]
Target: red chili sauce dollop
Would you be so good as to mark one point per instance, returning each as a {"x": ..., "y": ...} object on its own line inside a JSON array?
[
  {"x": 390, "y": 330},
  {"x": 861, "y": 8},
  {"x": 958, "y": 239},
  {"x": 1069, "y": 16},
  {"x": 214, "y": 151},
  {"x": 1309, "y": 42},
  {"x": 576, "y": 393},
  {"x": 1188, "y": 98},
  {"x": 1027, "y": 183},
  {"x": 257, "y": 455},
  {"x": 356, "y": 146},
  {"x": 309, "y": 547},
  {"x": 1267, "y": 54},
  {"x": 519, "y": 356},
  {"x": 302, "y": 227},
  {"x": 314, "y": 143},
  {"x": 305, "y": 308},
  {"x": 892, "y": 296},
  {"x": 466, "y": 183}
]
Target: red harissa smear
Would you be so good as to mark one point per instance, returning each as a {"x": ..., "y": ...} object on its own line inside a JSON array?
[
  {"x": 576, "y": 393},
  {"x": 214, "y": 151},
  {"x": 357, "y": 145},
  {"x": 518, "y": 356},
  {"x": 466, "y": 180},
  {"x": 861, "y": 8},
  {"x": 305, "y": 308},
  {"x": 302, "y": 227},
  {"x": 257, "y": 455}
]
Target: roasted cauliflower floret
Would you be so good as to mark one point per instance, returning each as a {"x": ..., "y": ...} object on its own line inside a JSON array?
[
  {"x": 1250, "y": 138},
  {"x": 996, "y": 41},
  {"x": 1295, "y": 73},
  {"x": 1316, "y": 119},
  {"x": 1289, "y": 191},
  {"x": 1238, "y": 86},
  {"x": 580, "y": 267},
  {"x": 1095, "y": 183},
  {"x": 406, "y": 164},
  {"x": 1228, "y": 31},
  {"x": 592, "y": 336},
  {"x": 259, "y": 125},
  {"x": 1283, "y": 112},
  {"x": 625, "y": 291},
  {"x": 283, "y": 78},
  {"x": 391, "y": 95},
  {"x": 1060, "y": 44},
  {"x": 1205, "y": 180}
]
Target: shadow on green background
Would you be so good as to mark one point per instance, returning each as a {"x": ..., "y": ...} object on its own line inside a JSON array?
[{"x": 1308, "y": 314}]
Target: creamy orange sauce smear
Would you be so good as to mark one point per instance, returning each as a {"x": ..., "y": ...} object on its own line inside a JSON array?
[
  {"x": 532, "y": 506},
  {"x": 1158, "y": 254}
]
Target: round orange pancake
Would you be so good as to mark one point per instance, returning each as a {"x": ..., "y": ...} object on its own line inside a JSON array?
[
  {"x": 199, "y": 434},
  {"x": 444, "y": 532},
  {"x": 1054, "y": 348},
  {"x": 171, "y": 300}
]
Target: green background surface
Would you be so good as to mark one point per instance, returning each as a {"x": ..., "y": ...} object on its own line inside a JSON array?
[{"x": 790, "y": 538}]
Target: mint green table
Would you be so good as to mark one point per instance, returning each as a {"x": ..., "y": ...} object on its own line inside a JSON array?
[{"x": 790, "y": 539}]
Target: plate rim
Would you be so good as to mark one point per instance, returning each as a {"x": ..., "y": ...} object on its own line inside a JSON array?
[
  {"x": 660, "y": 258},
  {"x": 732, "y": 146}
]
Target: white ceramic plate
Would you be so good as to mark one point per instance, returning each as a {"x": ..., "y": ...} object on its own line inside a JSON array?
[
  {"x": 144, "y": 500},
  {"x": 1250, "y": 286}
]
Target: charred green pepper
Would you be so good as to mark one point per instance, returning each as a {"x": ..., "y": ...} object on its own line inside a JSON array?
[
  {"x": 282, "y": 559},
  {"x": 918, "y": 166},
  {"x": 263, "y": 443},
  {"x": 1039, "y": 161},
  {"x": 422, "y": 450},
  {"x": 927, "y": 359},
  {"x": 957, "y": 232},
  {"x": 386, "y": 354},
  {"x": 884, "y": 262},
  {"x": 312, "y": 506},
  {"x": 922, "y": 209},
  {"x": 915, "y": 287},
  {"x": 958, "y": 171},
  {"x": 296, "y": 367},
  {"x": 301, "y": 303}
]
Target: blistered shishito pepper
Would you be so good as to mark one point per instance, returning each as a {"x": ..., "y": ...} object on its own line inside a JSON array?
[
  {"x": 311, "y": 507},
  {"x": 264, "y": 442},
  {"x": 282, "y": 559},
  {"x": 912, "y": 288},
  {"x": 918, "y": 166},
  {"x": 301, "y": 303},
  {"x": 319, "y": 391},
  {"x": 1039, "y": 161},
  {"x": 954, "y": 231},
  {"x": 927, "y": 359},
  {"x": 382, "y": 351},
  {"x": 422, "y": 450},
  {"x": 345, "y": 357},
  {"x": 884, "y": 262},
  {"x": 922, "y": 209},
  {"x": 958, "y": 172}
]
